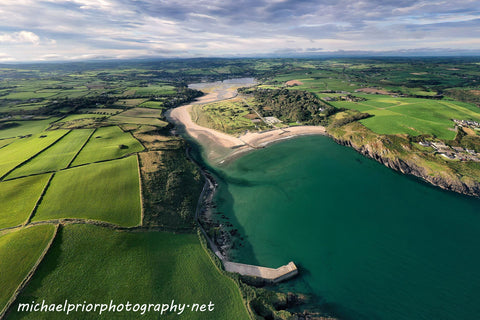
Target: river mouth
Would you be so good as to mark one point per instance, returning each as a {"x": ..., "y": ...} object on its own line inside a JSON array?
[{"x": 371, "y": 243}]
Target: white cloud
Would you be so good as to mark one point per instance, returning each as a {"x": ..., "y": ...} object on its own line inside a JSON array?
[
  {"x": 129, "y": 28},
  {"x": 5, "y": 57},
  {"x": 20, "y": 37}
]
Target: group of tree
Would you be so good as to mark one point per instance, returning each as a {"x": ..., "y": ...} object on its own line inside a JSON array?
[{"x": 292, "y": 105}]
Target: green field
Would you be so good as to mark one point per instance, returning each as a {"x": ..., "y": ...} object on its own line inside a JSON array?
[
  {"x": 152, "y": 104},
  {"x": 56, "y": 157},
  {"x": 25, "y": 95},
  {"x": 153, "y": 90},
  {"x": 19, "y": 251},
  {"x": 144, "y": 116},
  {"x": 141, "y": 113},
  {"x": 18, "y": 198},
  {"x": 107, "y": 191},
  {"x": 412, "y": 115},
  {"x": 25, "y": 127},
  {"x": 107, "y": 143},
  {"x": 98, "y": 265},
  {"x": 138, "y": 120},
  {"x": 226, "y": 116},
  {"x": 5, "y": 142},
  {"x": 129, "y": 102},
  {"x": 75, "y": 117},
  {"x": 23, "y": 149}
]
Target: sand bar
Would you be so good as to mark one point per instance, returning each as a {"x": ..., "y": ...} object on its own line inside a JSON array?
[{"x": 221, "y": 145}]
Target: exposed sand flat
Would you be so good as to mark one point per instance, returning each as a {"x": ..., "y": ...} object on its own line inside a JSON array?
[
  {"x": 218, "y": 142},
  {"x": 220, "y": 145},
  {"x": 182, "y": 115},
  {"x": 260, "y": 139}
]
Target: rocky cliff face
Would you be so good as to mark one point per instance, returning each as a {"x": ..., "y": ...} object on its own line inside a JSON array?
[{"x": 445, "y": 180}]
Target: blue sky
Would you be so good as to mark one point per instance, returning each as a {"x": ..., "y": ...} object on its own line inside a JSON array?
[{"x": 95, "y": 29}]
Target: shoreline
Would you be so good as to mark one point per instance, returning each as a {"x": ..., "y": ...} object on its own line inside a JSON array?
[{"x": 221, "y": 147}]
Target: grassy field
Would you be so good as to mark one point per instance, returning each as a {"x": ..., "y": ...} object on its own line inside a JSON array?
[
  {"x": 25, "y": 127},
  {"x": 18, "y": 198},
  {"x": 171, "y": 184},
  {"x": 25, "y": 95},
  {"x": 107, "y": 143},
  {"x": 141, "y": 113},
  {"x": 107, "y": 191},
  {"x": 129, "y": 102},
  {"x": 153, "y": 90},
  {"x": 19, "y": 251},
  {"x": 136, "y": 267},
  {"x": 56, "y": 157},
  {"x": 138, "y": 120},
  {"x": 152, "y": 104},
  {"x": 74, "y": 117},
  {"x": 227, "y": 116},
  {"x": 5, "y": 142},
  {"x": 23, "y": 149},
  {"x": 143, "y": 116},
  {"x": 412, "y": 115}
]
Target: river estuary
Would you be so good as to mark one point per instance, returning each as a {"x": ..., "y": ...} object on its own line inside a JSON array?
[{"x": 371, "y": 243}]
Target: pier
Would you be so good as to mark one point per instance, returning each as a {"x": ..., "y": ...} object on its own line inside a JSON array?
[{"x": 269, "y": 274}]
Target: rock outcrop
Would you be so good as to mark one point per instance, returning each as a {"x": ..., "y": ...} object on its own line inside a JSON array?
[{"x": 445, "y": 180}]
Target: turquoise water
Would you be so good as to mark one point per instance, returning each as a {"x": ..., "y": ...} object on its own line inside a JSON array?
[{"x": 371, "y": 243}]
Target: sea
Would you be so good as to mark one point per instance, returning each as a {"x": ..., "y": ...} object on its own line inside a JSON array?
[{"x": 370, "y": 243}]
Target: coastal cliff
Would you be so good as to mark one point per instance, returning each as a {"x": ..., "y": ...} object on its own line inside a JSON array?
[{"x": 399, "y": 153}]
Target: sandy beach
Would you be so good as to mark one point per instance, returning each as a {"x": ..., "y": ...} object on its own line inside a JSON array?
[{"x": 220, "y": 145}]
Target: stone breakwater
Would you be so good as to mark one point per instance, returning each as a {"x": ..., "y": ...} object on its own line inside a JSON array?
[
  {"x": 268, "y": 274},
  {"x": 204, "y": 205}
]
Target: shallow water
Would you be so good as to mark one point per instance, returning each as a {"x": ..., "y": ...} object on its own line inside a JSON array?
[{"x": 371, "y": 243}]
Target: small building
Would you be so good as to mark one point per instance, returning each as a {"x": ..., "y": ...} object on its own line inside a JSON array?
[{"x": 272, "y": 120}]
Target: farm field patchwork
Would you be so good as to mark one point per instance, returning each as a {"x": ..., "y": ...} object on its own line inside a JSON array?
[
  {"x": 143, "y": 267},
  {"x": 23, "y": 149},
  {"x": 57, "y": 156},
  {"x": 19, "y": 251},
  {"x": 18, "y": 198},
  {"x": 412, "y": 115},
  {"x": 143, "y": 116},
  {"x": 107, "y": 143},
  {"x": 107, "y": 191}
]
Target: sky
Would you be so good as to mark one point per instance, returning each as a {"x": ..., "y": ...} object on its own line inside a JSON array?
[{"x": 43, "y": 30}]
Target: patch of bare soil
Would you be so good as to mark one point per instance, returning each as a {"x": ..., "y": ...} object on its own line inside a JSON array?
[
  {"x": 373, "y": 90},
  {"x": 293, "y": 83}
]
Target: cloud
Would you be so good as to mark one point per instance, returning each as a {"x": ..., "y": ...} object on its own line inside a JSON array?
[
  {"x": 68, "y": 29},
  {"x": 20, "y": 37},
  {"x": 5, "y": 57}
]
